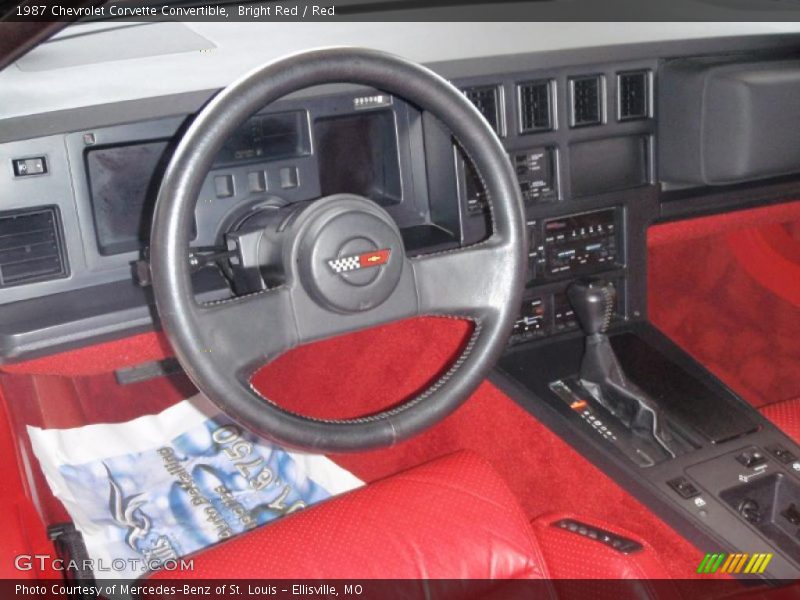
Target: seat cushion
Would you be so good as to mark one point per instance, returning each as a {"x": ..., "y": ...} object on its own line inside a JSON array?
[
  {"x": 453, "y": 518},
  {"x": 786, "y": 416}
]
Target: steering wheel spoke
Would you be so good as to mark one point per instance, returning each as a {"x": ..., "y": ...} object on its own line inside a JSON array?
[
  {"x": 246, "y": 332},
  {"x": 465, "y": 283}
]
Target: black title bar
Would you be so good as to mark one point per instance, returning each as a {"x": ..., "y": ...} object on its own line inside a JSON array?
[{"x": 277, "y": 11}]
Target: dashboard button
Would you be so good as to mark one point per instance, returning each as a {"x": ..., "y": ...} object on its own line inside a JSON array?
[
  {"x": 781, "y": 453},
  {"x": 752, "y": 458},
  {"x": 685, "y": 488},
  {"x": 257, "y": 181},
  {"x": 223, "y": 186},
  {"x": 289, "y": 178},
  {"x": 24, "y": 167}
]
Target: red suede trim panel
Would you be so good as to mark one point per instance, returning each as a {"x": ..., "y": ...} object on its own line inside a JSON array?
[
  {"x": 727, "y": 290},
  {"x": 771, "y": 257},
  {"x": 714, "y": 225}
]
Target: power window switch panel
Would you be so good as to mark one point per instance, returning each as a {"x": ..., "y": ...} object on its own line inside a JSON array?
[{"x": 24, "y": 167}]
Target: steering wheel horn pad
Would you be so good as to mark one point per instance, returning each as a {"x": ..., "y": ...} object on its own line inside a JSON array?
[
  {"x": 221, "y": 344},
  {"x": 351, "y": 255}
]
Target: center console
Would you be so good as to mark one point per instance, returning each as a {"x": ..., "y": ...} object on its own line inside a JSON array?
[
  {"x": 735, "y": 485},
  {"x": 584, "y": 361},
  {"x": 582, "y": 357},
  {"x": 561, "y": 249}
]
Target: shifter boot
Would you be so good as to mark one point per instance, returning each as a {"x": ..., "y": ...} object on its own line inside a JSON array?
[{"x": 601, "y": 373}]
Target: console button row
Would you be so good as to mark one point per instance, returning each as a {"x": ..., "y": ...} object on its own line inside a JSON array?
[{"x": 609, "y": 538}]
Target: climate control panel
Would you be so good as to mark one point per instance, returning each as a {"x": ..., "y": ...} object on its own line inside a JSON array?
[
  {"x": 536, "y": 173},
  {"x": 580, "y": 244}
]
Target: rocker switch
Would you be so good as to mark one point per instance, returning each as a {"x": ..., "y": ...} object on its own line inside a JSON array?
[
  {"x": 685, "y": 488},
  {"x": 752, "y": 459}
]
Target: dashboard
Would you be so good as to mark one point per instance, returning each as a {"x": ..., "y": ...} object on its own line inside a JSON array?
[
  {"x": 582, "y": 130},
  {"x": 605, "y": 141}
]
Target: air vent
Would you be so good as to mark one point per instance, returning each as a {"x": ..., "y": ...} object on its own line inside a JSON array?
[
  {"x": 487, "y": 99},
  {"x": 587, "y": 100},
  {"x": 633, "y": 95},
  {"x": 535, "y": 112},
  {"x": 30, "y": 246}
]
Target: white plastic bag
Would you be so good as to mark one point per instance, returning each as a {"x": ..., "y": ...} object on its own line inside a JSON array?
[{"x": 147, "y": 492}]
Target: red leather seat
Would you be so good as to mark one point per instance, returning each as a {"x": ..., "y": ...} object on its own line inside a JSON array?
[
  {"x": 453, "y": 518},
  {"x": 786, "y": 416}
]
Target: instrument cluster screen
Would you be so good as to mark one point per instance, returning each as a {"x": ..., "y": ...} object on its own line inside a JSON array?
[
  {"x": 123, "y": 183},
  {"x": 358, "y": 155}
]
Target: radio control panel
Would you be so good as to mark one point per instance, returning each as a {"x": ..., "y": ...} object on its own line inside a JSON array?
[{"x": 579, "y": 244}]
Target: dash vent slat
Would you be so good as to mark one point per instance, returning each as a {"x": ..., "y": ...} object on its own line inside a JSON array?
[
  {"x": 31, "y": 247},
  {"x": 634, "y": 95},
  {"x": 587, "y": 100},
  {"x": 535, "y": 106},
  {"x": 487, "y": 99}
]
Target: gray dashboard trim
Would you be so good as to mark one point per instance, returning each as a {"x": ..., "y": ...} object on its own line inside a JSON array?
[
  {"x": 121, "y": 43},
  {"x": 71, "y": 319},
  {"x": 74, "y": 328},
  {"x": 66, "y": 121}
]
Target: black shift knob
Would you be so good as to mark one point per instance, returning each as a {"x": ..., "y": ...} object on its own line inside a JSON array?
[{"x": 593, "y": 303}]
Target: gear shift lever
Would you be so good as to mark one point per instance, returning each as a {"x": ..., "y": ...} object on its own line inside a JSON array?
[
  {"x": 602, "y": 375},
  {"x": 593, "y": 303}
]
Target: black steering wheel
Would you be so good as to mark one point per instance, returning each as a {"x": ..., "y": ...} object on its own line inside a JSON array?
[{"x": 344, "y": 262}]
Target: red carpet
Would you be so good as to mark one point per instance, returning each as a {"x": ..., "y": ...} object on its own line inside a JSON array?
[
  {"x": 349, "y": 376},
  {"x": 727, "y": 290}
]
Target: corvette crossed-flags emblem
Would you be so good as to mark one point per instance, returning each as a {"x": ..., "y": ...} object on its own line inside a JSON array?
[{"x": 375, "y": 258}]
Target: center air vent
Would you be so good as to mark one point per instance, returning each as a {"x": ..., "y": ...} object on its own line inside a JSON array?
[
  {"x": 587, "y": 100},
  {"x": 488, "y": 101},
  {"x": 634, "y": 95},
  {"x": 535, "y": 112},
  {"x": 31, "y": 246}
]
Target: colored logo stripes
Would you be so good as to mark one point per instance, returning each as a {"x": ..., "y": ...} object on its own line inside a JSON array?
[{"x": 739, "y": 562}]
